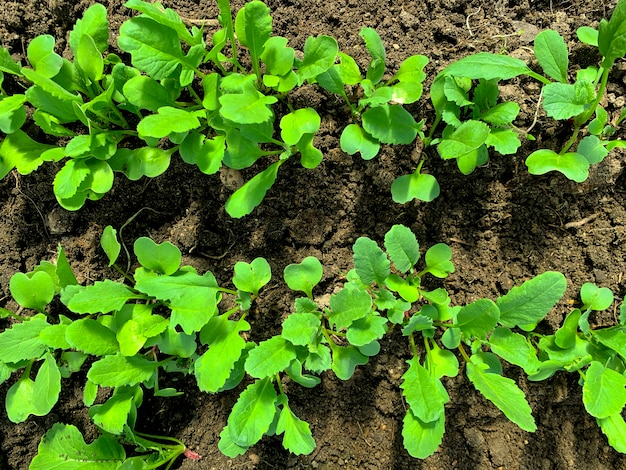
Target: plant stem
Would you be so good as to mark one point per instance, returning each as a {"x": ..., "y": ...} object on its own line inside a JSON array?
[
  {"x": 583, "y": 118},
  {"x": 463, "y": 353}
]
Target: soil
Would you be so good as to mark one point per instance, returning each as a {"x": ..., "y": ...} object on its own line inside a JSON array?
[{"x": 504, "y": 226}]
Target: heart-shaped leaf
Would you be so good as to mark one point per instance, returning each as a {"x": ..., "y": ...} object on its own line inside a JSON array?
[
  {"x": 163, "y": 258},
  {"x": 32, "y": 292},
  {"x": 304, "y": 276},
  {"x": 573, "y": 165}
]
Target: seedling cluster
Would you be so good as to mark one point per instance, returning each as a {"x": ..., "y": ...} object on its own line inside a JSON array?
[
  {"x": 166, "y": 318},
  {"x": 182, "y": 96}
]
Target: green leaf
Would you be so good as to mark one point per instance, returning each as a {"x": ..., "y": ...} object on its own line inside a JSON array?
[
  {"x": 64, "y": 270},
  {"x": 7, "y": 64},
  {"x": 593, "y": 149},
  {"x": 63, "y": 446},
  {"x": 488, "y": 67},
  {"x": 366, "y": 330},
  {"x": 253, "y": 27},
  {"x": 319, "y": 55},
  {"x": 253, "y": 414},
  {"x": 375, "y": 46},
  {"x": 192, "y": 298},
  {"x": 277, "y": 57},
  {"x": 443, "y": 362},
  {"x": 587, "y": 35},
  {"x": 91, "y": 337},
  {"x": 252, "y": 277},
  {"x": 94, "y": 24},
  {"x": 22, "y": 341},
  {"x": 595, "y": 298},
  {"x": 54, "y": 337},
  {"x": 348, "y": 305},
  {"x": 465, "y": 139},
  {"x": 243, "y": 201},
  {"x": 155, "y": 50},
  {"x": 206, "y": 153},
  {"x": 438, "y": 262},
  {"x": 270, "y": 357},
  {"x": 167, "y": 121},
  {"x": 505, "y": 141},
  {"x": 573, "y": 165},
  {"x": 89, "y": 59},
  {"x": 614, "y": 428},
  {"x": 34, "y": 291},
  {"x": 354, "y": 139},
  {"x": 143, "y": 161},
  {"x": 19, "y": 151},
  {"x": 301, "y": 328},
  {"x": 164, "y": 258},
  {"x": 504, "y": 393},
  {"x": 604, "y": 391},
  {"x": 402, "y": 247},
  {"x": 118, "y": 370},
  {"x": 42, "y": 57},
  {"x": 501, "y": 114},
  {"x": 166, "y": 17},
  {"x": 390, "y": 124},
  {"x": 528, "y": 304},
  {"x": 304, "y": 276},
  {"x": 37, "y": 397},
  {"x": 298, "y": 438},
  {"x": 135, "y": 331},
  {"x": 297, "y": 123},
  {"x": 250, "y": 107},
  {"x": 227, "y": 446},
  {"x": 614, "y": 339},
  {"x": 422, "y": 439},
  {"x": 421, "y": 186},
  {"x": 514, "y": 348},
  {"x": 564, "y": 100},
  {"x": 412, "y": 69},
  {"x": 419, "y": 322},
  {"x": 12, "y": 113},
  {"x": 110, "y": 245},
  {"x": 612, "y": 36},
  {"x": 213, "y": 368},
  {"x": 146, "y": 93},
  {"x": 70, "y": 178},
  {"x": 370, "y": 262},
  {"x": 112, "y": 415},
  {"x": 407, "y": 291},
  {"x": 101, "y": 297},
  {"x": 552, "y": 55},
  {"x": 421, "y": 392},
  {"x": 478, "y": 319},
  {"x": 345, "y": 360},
  {"x": 175, "y": 343}
]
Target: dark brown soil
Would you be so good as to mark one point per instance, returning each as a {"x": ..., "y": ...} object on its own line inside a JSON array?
[{"x": 504, "y": 226}]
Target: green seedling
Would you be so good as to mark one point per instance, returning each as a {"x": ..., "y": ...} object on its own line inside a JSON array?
[
  {"x": 227, "y": 120},
  {"x": 165, "y": 318},
  {"x": 131, "y": 330},
  {"x": 465, "y": 96},
  {"x": 379, "y": 115}
]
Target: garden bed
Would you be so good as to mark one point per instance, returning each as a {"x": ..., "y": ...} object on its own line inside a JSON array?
[{"x": 503, "y": 225}]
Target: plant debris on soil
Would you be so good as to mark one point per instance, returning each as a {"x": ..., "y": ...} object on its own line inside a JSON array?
[{"x": 504, "y": 226}]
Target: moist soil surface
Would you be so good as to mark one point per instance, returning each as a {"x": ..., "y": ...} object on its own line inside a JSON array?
[{"x": 504, "y": 226}]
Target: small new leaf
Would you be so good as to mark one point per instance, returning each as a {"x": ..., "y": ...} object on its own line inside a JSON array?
[
  {"x": 252, "y": 277},
  {"x": 304, "y": 276}
]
